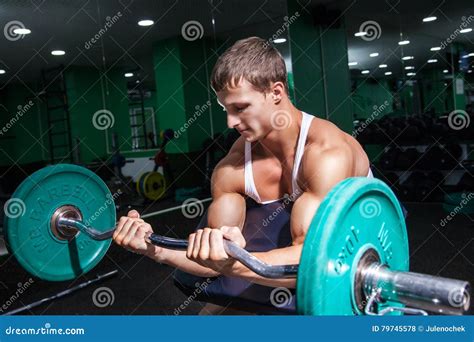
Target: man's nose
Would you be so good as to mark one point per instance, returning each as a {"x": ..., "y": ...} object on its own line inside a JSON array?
[{"x": 232, "y": 121}]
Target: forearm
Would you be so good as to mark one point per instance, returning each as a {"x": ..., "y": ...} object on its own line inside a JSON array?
[
  {"x": 282, "y": 256},
  {"x": 178, "y": 259}
]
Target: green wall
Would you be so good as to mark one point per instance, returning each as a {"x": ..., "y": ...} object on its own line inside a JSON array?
[
  {"x": 21, "y": 142},
  {"x": 185, "y": 102},
  {"x": 369, "y": 94},
  {"x": 320, "y": 71},
  {"x": 436, "y": 95}
]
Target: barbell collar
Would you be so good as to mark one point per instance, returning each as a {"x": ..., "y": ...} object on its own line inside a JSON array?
[{"x": 435, "y": 294}]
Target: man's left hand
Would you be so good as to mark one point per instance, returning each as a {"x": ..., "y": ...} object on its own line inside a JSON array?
[{"x": 206, "y": 247}]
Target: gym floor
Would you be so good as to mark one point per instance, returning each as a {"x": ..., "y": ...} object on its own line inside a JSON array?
[{"x": 143, "y": 287}]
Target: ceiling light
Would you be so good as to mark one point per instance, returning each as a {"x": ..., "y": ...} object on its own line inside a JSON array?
[
  {"x": 381, "y": 66},
  {"x": 409, "y": 67},
  {"x": 374, "y": 54},
  {"x": 146, "y": 22},
  {"x": 432, "y": 60},
  {"x": 279, "y": 40},
  {"x": 404, "y": 42},
  {"x": 2, "y": 71},
  {"x": 360, "y": 34},
  {"x": 411, "y": 74},
  {"x": 428, "y": 19},
  {"x": 352, "y": 63},
  {"x": 58, "y": 52},
  {"x": 21, "y": 31},
  {"x": 466, "y": 30},
  {"x": 365, "y": 72},
  {"x": 435, "y": 48},
  {"x": 128, "y": 74},
  {"x": 445, "y": 71},
  {"x": 388, "y": 73},
  {"x": 406, "y": 58}
]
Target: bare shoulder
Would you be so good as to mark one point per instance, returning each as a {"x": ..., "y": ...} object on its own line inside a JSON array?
[
  {"x": 325, "y": 133},
  {"x": 330, "y": 155},
  {"x": 326, "y": 141},
  {"x": 228, "y": 175}
]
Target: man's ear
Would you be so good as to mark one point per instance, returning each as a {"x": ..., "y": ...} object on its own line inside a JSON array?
[{"x": 277, "y": 89}]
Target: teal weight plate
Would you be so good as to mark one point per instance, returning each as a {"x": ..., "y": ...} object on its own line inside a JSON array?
[
  {"x": 28, "y": 231},
  {"x": 357, "y": 214}
]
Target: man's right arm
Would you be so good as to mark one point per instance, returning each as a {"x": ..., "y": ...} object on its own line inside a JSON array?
[{"x": 226, "y": 209}]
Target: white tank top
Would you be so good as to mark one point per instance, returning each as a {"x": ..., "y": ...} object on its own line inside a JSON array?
[{"x": 251, "y": 190}]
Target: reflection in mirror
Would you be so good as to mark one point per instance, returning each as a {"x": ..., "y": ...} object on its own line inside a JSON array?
[{"x": 411, "y": 67}]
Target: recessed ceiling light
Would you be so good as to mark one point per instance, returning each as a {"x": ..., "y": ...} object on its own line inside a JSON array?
[
  {"x": 471, "y": 54},
  {"x": 404, "y": 42},
  {"x": 21, "y": 31},
  {"x": 374, "y": 54},
  {"x": 352, "y": 63},
  {"x": 364, "y": 72},
  {"x": 469, "y": 71},
  {"x": 388, "y": 73},
  {"x": 432, "y": 60},
  {"x": 2, "y": 71},
  {"x": 428, "y": 19},
  {"x": 128, "y": 74},
  {"x": 466, "y": 30},
  {"x": 146, "y": 22},
  {"x": 445, "y": 71},
  {"x": 411, "y": 74},
  {"x": 435, "y": 48},
  {"x": 381, "y": 66},
  {"x": 406, "y": 58},
  {"x": 360, "y": 34},
  {"x": 409, "y": 67},
  {"x": 279, "y": 40},
  {"x": 58, "y": 52}
]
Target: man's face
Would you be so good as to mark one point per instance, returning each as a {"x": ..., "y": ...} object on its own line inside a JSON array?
[{"x": 248, "y": 110}]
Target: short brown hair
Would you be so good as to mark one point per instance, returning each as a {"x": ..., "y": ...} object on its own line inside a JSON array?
[{"x": 253, "y": 59}]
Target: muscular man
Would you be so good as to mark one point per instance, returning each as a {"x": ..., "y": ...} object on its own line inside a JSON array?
[{"x": 282, "y": 153}]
